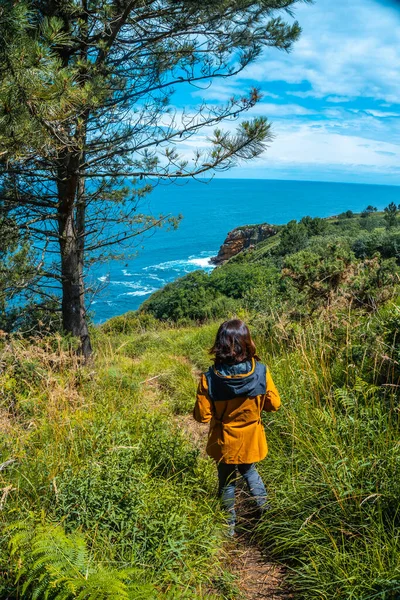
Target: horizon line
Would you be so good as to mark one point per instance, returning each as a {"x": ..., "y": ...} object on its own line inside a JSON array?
[{"x": 209, "y": 179}]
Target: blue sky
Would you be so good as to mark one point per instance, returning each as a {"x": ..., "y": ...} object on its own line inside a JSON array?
[{"x": 334, "y": 101}]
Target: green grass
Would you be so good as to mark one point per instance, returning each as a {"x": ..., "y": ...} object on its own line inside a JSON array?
[
  {"x": 334, "y": 465},
  {"x": 102, "y": 462},
  {"x": 99, "y": 450}
]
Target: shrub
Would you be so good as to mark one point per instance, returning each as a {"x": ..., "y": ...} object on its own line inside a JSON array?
[
  {"x": 320, "y": 276},
  {"x": 370, "y": 210},
  {"x": 186, "y": 298},
  {"x": 293, "y": 237},
  {"x": 373, "y": 282},
  {"x": 387, "y": 243},
  {"x": 236, "y": 280},
  {"x": 315, "y": 226},
  {"x": 348, "y": 214},
  {"x": 390, "y": 216}
]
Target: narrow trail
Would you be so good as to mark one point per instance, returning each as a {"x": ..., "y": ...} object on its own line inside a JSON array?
[{"x": 258, "y": 578}]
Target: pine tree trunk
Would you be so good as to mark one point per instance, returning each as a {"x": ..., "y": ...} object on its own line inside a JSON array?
[{"x": 71, "y": 226}]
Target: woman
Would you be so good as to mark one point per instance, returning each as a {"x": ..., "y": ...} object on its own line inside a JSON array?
[{"x": 232, "y": 395}]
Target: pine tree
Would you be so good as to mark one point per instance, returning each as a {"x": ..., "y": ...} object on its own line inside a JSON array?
[
  {"x": 87, "y": 121},
  {"x": 17, "y": 271},
  {"x": 390, "y": 216}
]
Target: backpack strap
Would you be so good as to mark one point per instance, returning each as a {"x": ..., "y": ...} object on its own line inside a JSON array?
[{"x": 209, "y": 379}]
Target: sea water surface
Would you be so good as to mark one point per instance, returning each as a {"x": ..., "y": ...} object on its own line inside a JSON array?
[{"x": 210, "y": 210}]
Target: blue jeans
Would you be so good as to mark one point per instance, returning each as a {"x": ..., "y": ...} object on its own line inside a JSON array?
[{"x": 227, "y": 476}]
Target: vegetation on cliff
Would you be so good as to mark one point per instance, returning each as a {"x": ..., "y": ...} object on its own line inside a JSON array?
[
  {"x": 105, "y": 493},
  {"x": 351, "y": 260}
]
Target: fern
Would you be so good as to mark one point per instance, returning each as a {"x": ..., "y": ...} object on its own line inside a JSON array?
[
  {"x": 366, "y": 389},
  {"x": 52, "y": 565}
]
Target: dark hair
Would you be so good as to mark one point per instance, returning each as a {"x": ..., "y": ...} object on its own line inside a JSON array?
[{"x": 233, "y": 343}]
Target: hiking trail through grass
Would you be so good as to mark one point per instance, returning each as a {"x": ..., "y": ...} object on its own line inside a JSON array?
[
  {"x": 112, "y": 455},
  {"x": 257, "y": 577}
]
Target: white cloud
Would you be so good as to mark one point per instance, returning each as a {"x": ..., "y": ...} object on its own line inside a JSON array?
[
  {"x": 381, "y": 114},
  {"x": 314, "y": 143},
  {"x": 338, "y": 99},
  {"x": 346, "y": 49},
  {"x": 280, "y": 110},
  {"x": 218, "y": 91},
  {"x": 270, "y": 95},
  {"x": 347, "y": 116},
  {"x": 224, "y": 91},
  {"x": 306, "y": 144}
]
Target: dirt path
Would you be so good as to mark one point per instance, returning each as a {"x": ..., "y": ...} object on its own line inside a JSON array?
[{"x": 257, "y": 577}]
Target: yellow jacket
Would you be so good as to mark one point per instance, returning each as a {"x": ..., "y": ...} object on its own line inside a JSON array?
[{"x": 236, "y": 434}]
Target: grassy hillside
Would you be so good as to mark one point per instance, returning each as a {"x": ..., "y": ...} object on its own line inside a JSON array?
[
  {"x": 106, "y": 477},
  {"x": 352, "y": 259},
  {"x": 103, "y": 471},
  {"x": 105, "y": 492}
]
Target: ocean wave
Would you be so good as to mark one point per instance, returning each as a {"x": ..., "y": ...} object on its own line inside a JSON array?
[
  {"x": 143, "y": 292},
  {"x": 200, "y": 262},
  {"x": 155, "y": 278},
  {"x": 184, "y": 265},
  {"x": 129, "y": 284},
  {"x": 126, "y": 273}
]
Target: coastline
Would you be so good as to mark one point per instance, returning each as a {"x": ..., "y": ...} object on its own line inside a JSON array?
[{"x": 210, "y": 212}]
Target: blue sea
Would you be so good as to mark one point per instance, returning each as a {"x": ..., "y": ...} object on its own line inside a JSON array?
[{"x": 210, "y": 210}]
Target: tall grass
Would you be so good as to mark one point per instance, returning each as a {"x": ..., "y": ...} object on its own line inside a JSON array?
[
  {"x": 96, "y": 451},
  {"x": 334, "y": 465},
  {"x": 101, "y": 457}
]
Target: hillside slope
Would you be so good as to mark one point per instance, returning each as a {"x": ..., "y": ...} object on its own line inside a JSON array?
[
  {"x": 106, "y": 492},
  {"x": 104, "y": 452},
  {"x": 304, "y": 268},
  {"x": 98, "y": 450}
]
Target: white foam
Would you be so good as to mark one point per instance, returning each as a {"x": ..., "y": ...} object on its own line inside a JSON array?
[
  {"x": 184, "y": 265},
  {"x": 175, "y": 265},
  {"x": 126, "y": 273},
  {"x": 130, "y": 284},
  {"x": 200, "y": 262},
  {"x": 143, "y": 292},
  {"x": 155, "y": 278},
  {"x": 103, "y": 278}
]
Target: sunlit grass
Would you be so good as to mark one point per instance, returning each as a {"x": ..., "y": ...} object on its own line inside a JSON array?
[
  {"x": 97, "y": 449},
  {"x": 100, "y": 449}
]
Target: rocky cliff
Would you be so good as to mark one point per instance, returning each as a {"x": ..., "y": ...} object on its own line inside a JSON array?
[{"x": 241, "y": 238}]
